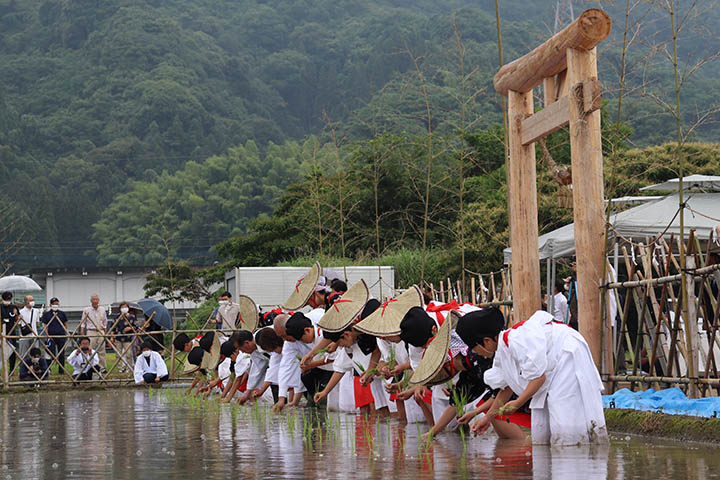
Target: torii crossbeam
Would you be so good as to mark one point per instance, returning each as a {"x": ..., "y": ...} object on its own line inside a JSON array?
[{"x": 566, "y": 65}]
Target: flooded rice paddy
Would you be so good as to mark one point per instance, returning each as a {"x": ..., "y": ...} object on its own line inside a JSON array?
[{"x": 161, "y": 434}]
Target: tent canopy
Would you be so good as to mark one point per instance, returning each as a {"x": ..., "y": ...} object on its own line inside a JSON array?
[
  {"x": 708, "y": 183},
  {"x": 637, "y": 223}
]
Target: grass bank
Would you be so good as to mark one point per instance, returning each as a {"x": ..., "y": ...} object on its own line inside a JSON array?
[{"x": 675, "y": 427}]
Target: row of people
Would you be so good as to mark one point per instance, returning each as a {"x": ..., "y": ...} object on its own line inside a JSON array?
[
  {"x": 443, "y": 364},
  {"x": 48, "y": 331}
]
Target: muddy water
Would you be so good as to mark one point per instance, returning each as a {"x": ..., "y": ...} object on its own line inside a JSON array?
[{"x": 134, "y": 434}]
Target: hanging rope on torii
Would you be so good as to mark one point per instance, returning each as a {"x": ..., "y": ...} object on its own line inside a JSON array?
[{"x": 566, "y": 66}]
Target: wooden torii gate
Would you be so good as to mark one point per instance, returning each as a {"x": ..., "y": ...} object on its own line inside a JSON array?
[{"x": 566, "y": 65}]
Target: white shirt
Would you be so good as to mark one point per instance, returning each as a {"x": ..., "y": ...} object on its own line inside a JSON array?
[
  {"x": 258, "y": 366},
  {"x": 560, "y": 307},
  {"x": 224, "y": 371},
  {"x": 154, "y": 364},
  {"x": 271, "y": 374},
  {"x": 242, "y": 364},
  {"x": 30, "y": 317},
  {"x": 83, "y": 362}
]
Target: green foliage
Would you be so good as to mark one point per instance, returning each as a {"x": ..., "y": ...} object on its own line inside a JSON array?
[
  {"x": 176, "y": 282},
  {"x": 110, "y": 103},
  {"x": 196, "y": 207}
]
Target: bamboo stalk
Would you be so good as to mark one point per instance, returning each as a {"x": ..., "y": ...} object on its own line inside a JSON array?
[{"x": 654, "y": 282}]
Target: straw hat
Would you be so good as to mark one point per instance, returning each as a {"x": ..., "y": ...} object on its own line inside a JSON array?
[
  {"x": 430, "y": 371},
  {"x": 209, "y": 345},
  {"x": 304, "y": 288},
  {"x": 346, "y": 309},
  {"x": 385, "y": 321},
  {"x": 212, "y": 357},
  {"x": 249, "y": 314},
  {"x": 190, "y": 367}
]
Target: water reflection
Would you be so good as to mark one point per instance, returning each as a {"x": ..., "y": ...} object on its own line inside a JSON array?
[{"x": 132, "y": 434}]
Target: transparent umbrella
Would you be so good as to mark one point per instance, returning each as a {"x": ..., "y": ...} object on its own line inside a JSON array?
[{"x": 18, "y": 283}]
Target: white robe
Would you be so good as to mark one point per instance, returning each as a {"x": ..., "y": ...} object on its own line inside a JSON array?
[
  {"x": 289, "y": 373},
  {"x": 567, "y": 410},
  {"x": 156, "y": 366}
]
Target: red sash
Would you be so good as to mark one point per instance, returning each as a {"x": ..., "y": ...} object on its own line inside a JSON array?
[
  {"x": 518, "y": 418},
  {"x": 436, "y": 308},
  {"x": 363, "y": 394},
  {"x": 520, "y": 324}
]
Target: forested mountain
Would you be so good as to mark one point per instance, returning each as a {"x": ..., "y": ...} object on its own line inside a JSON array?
[{"x": 107, "y": 106}]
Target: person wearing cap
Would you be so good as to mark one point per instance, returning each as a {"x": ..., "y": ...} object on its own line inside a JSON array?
[
  {"x": 150, "y": 366},
  {"x": 386, "y": 324},
  {"x": 204, "y": 355},
  {"x": 471, "y": 367},
  {"x": 55, "y": 328},
  {"x": 357, "y": 352},
  {"x": 550, "y": 365},
  {"x": 316, "y": 373}
]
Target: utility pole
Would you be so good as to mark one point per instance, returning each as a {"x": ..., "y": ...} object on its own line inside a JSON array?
[{"x": 564, "y": 15}]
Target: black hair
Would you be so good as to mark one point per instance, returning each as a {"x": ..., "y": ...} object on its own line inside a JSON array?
[
  {"x": 416, "y": 327},
  {"x": 473, "y": 327},
  {"x": 34, "y": 351},
  {"x": 207, "y": 340},
  {"x": 338, "y": 285},
  {"x": 268, "y": 339},
  {"x": 369, "y": 308},
  {"x": 147, "y": 344},
  {"x": 227, "y": 348},
  {"x": 560, "y": 285},
  {"x": 84, "y": 338},
  {"x": 123, "y": 303},
  {"x": 53, "y": 300},
  {"x": 180, "y": 341},
  {"x": 242, "y": 336},
  {"x": 296, "y": 325},
  {"x": 367, "y": 343},
  {"x": 331, "y": 298},
  {"x": 7, "y": 296},
  {"x": 335, "y": 336},
  {"x": 225, "y": 294},
  {"x": 196, "y": 355}
]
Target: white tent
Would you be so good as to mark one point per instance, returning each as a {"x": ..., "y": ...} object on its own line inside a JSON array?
[
  {"x": 649, "y": 220},
  {"x": 707, "y": 183}
]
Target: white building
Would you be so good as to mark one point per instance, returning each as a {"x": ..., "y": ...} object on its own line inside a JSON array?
[{"x": 270, "y": 286}]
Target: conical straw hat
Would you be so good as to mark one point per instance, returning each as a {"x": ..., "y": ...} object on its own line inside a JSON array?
[
  {"x": 385, "y": 321},
  {"x": 189, "y": 367},
  {"x": 304, "y": 288},
  {"x": 249, "y": 315},
  {"x": 346, "y": 309},
  {"x": 430, "y": 371},
  {"x": 212, "y": 358}
]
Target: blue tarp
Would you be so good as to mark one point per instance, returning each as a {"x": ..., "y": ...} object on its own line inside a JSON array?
[{"x": 671, "y": 400}]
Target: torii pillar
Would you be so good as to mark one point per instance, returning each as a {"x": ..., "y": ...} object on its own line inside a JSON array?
[{"x": 566, "y": 65}]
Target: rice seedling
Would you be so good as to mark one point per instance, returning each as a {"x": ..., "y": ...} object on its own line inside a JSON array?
[
  {"x": 460, "y": 399},
  {"x": 372, "y": 371}
]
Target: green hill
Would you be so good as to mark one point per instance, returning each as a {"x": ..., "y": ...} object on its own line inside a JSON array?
[{"x": 96, "y": 96}]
